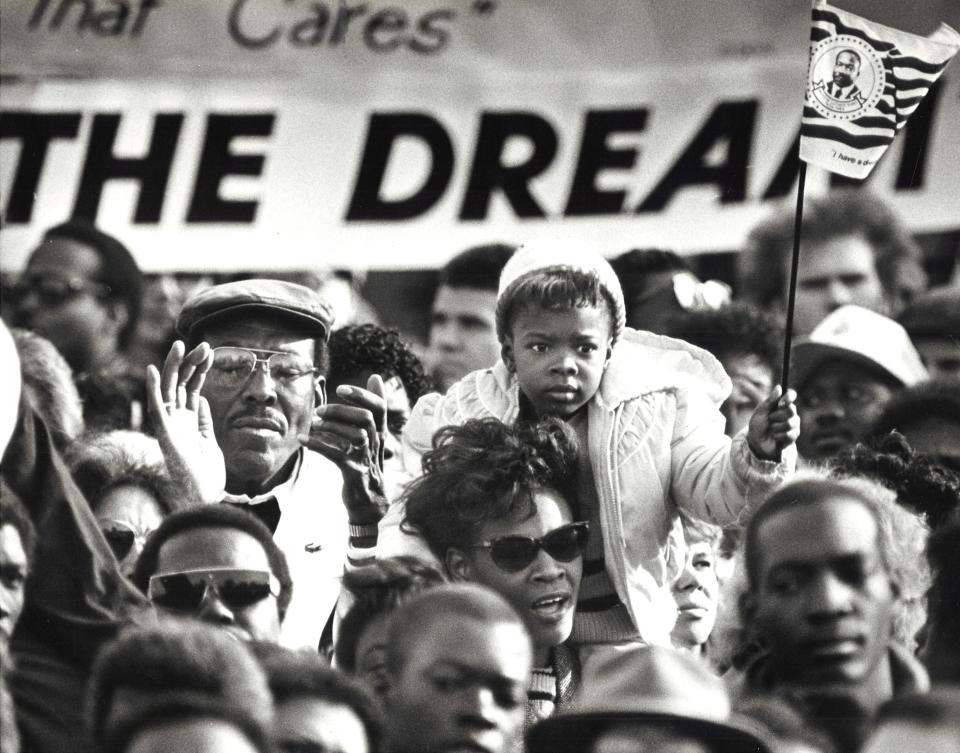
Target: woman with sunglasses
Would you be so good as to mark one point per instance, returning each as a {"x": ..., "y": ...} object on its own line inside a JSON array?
[
  {"x": 497, "y": 505},
  {"x": 129, "y": 495}
]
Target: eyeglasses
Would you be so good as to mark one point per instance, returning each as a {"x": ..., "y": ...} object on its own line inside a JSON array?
[
  {"x": 514, "y": 553},
  {"x": 121, "y": 536},
  {"x": 233, "y": 366},
  {"x": 185, "y": 591},
  {"x": 51, "y": 291}
]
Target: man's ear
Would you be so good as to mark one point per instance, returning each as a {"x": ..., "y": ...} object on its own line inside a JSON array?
[
  {"x": 506, "y": 353},
  {"x": 320, "y": 391},
  {"x": 458, "y": 565},
  {"x": 606, "y": 361}
]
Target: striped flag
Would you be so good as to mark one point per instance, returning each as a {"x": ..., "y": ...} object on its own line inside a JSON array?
[{"x": 864, "y": 82}]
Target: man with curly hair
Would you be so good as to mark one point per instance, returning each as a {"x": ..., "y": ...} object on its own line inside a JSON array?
[
  {"x": 853, "y": 250},
  {"x": 359, "y": 351},
  {"x": 748, "y": 342}
]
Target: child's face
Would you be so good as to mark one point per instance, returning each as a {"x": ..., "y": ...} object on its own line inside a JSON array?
[{"x": 559, "y": 355}]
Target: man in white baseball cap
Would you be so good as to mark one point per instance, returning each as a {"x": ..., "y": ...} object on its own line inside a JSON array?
[{"x": 846, "y": 370}]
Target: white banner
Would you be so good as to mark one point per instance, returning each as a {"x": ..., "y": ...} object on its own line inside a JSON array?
[{"x": 360, "y": 164}]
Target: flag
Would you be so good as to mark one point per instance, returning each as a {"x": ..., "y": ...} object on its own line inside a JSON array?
[{"x": 864, "y": 82}]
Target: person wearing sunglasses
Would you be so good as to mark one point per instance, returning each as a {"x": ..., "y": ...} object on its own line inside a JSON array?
[
  {"x": 129, "y": 495},
  {"x": 81, "y": 289},
  {"x": 497, "y": 506},
  {"x": 218, "y": 565}
]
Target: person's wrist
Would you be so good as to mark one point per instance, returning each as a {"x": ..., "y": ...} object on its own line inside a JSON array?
[
  {"x": 758, "y": 451},
  {"x": 363, "y": 530},
  {"x": 363, "y": 507}
]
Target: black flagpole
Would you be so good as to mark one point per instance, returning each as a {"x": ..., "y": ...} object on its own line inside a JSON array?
[{"x": 792, "y": 290}]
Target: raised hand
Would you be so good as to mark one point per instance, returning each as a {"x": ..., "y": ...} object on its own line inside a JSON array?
[
  {"x": 774, "y": 425},
  {"x": 184, "y": 424},
  {"x": 351, "y": 435}
]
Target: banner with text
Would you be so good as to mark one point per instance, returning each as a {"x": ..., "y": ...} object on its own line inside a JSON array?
[{"x": 287, "y": 134}]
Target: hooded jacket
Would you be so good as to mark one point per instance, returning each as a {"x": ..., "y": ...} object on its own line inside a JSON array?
[{"x": 656, "y": 444}]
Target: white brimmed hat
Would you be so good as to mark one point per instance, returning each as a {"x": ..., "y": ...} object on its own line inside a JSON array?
[{"x": 853, "y": 333}]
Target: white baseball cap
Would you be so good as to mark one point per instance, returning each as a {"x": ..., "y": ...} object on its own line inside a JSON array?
[{"x": 853, "y": 333}]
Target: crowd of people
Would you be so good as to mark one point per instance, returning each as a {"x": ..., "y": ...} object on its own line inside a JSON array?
[{"x": 585, "y": 516}]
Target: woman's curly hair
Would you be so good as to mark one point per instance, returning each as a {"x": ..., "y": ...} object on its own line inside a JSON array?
[
  {"x": 920, "y": 485},
  {"x": 484, "y": 471}
]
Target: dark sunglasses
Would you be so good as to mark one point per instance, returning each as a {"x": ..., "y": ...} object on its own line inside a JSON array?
[
  {"x": 51, "y": 291},
  {"x": 514, "y": 553},
  {"x": 184, "y": 591},
  {"x": 120, "y": 537}
]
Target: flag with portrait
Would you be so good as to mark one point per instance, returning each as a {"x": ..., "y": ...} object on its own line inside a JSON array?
[{"x": 864, "y": 81}]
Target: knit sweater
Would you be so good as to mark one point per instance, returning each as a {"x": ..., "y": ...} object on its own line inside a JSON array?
[{"x": 552, "y": 686}]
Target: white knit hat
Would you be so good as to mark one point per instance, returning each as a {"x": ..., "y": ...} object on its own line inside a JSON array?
[
  {"x": 853, "y": 333},
  {"x": 544, "y": 255}
]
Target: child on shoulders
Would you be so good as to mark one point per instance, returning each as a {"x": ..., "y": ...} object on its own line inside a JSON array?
[{"x": 646, "y": 412}]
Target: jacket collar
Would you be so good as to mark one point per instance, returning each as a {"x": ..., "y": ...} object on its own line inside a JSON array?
[{"x": 643, "y": 363}]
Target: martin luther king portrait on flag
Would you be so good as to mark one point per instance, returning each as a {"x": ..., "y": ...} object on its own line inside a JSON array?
[
  {"x": 845, "y": 78},
  {"x": 864, "y": 82},
  {"x": 846, "y": 70}
]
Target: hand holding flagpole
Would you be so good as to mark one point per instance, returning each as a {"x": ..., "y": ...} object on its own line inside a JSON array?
[{"x": 863, "y": 83}]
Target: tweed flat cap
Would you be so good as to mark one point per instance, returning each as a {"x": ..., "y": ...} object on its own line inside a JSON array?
[{"x": 286, "y": 298}]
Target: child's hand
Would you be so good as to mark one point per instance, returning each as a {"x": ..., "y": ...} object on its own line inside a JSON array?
[{"x": 774, "y": 425}]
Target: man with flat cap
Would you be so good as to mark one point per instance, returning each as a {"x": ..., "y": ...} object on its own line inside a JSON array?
[{"x": 252, "y": 372}]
